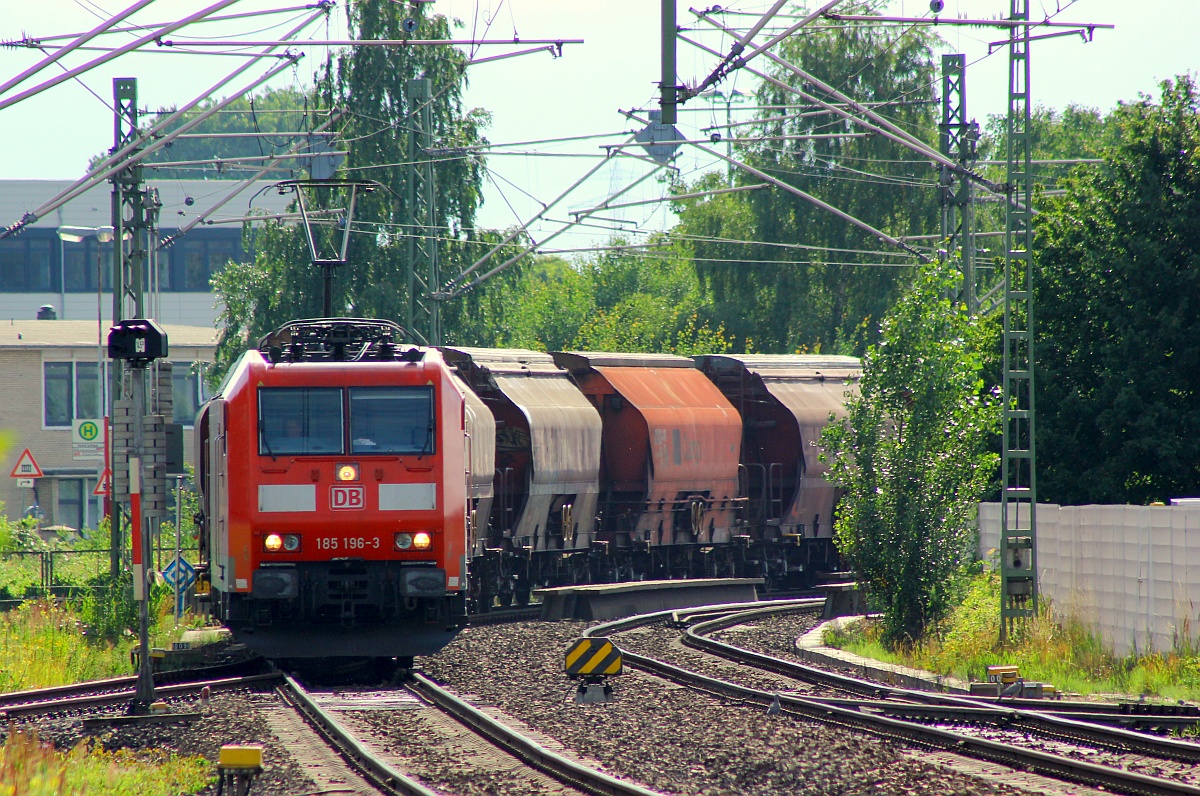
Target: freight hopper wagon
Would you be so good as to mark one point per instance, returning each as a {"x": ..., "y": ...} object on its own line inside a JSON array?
[
  {"x": 669, "y": 500},
  {"x": 785, "y": 401},
  {"x": 533, "y": 514},
  {"x": 615, "y": 467},
  {"x": 333, "y": 469}
]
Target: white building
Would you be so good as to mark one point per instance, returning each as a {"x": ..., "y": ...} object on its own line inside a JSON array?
[{"x": 48, "y": 372}]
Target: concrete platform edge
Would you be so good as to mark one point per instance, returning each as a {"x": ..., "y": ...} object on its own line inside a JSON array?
[{"x": 811, "y": 648}]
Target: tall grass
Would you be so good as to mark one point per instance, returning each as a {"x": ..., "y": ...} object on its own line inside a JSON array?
[
  {"x": 30, "y": 768},
  {"x": 1064, "y": 651},
  {"x": 43, "y": 643}
]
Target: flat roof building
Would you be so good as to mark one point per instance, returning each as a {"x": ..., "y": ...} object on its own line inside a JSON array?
[
  {"x": 48, "y": 373},
  {"x": 39, "y": 268}
]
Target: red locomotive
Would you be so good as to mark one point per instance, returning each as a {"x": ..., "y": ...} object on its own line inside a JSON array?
[
  {"x": 330, "y": 466},
  {"x": 359, "y": 497}
]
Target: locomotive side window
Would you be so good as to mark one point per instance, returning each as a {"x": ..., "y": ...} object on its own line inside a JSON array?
[
  {"x": 293, "y": 420},
  {"x": 391, "y": 420}
]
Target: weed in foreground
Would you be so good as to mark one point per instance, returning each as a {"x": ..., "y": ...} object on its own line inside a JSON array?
[
  {"x": 44, "y": 644},
  {"x": 31, "y": 768}
]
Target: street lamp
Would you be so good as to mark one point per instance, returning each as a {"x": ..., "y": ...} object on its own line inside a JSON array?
[
  {"x": 733, "y": 96},
  {"x": 78, "y": 235}
]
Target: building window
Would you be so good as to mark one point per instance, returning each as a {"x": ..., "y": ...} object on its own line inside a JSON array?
[
  {"x": 71, "y": 391},
  {"x": 70, "y": 508},
  {"x": 89, "y": 395},
  {"x": 39, "y": 274},
  {"x": 25, "y": 264},
  {"x": 82, "y": 260},
  {"x": 187, "y": 390},
  {"x": 60, "y": 404},
  {"x": 196, "y": 257}
]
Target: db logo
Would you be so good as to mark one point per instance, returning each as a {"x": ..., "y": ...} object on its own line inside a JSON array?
[{"x": 347, "y": 498}]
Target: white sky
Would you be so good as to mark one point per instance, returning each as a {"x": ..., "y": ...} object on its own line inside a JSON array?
[{"x": 535, "y": 97}]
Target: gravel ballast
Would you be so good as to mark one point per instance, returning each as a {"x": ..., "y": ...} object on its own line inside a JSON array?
[{"x": 670, "y": 738}]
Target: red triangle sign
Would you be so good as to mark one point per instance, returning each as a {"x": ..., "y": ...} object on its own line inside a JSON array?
[
  {"x": 104, "y": 484},
  {"x": 26, "y": 467}
]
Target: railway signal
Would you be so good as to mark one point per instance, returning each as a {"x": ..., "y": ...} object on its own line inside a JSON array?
[{"x": 138, "y": 342}]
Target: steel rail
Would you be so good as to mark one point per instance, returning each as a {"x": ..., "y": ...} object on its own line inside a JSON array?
[
  {"x": 362, "y": 759},
  {"x": 528, "y": 751},
  {"x": 501, "y": 616},
  {"x": 920, "y": 735},
  {"x": 1039, "y": 722},
  {"x": 53, "y": 705},
  {"x": 89, "y": 686}
]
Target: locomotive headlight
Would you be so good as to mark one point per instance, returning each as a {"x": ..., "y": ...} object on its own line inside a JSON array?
[
  {"x": 404, "y": 541},
  {"x": 291, "y": 542},
  {"x": 273, "y": 543},
  {"x": 347, "y": 472},
  {"x": 422, "y": 540}
]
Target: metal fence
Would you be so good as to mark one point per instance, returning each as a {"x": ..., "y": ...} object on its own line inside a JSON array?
[{"x": 41, "y": 574}]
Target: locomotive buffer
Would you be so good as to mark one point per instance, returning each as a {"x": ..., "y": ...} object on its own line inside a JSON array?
[{"x": 594, "y": 660}]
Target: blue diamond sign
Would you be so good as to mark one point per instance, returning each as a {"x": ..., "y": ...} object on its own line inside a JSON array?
[{"x": 179, "y": 569}]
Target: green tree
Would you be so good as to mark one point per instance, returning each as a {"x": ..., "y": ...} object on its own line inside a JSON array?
[
  {"x": 613, "y": 300},
  {"x": 1117, "y": 288},
  {"x": 649, "y": 301},
  {"x": 1076, "y": 132},
  {"x": 271, "y": 112},
  {"x": 538, "y": 304},
  {"x": 788, "y": 299},
  {"x": 911, "y": 455}
]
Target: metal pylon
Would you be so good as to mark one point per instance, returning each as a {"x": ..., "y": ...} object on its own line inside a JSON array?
[
  {"x": 423, "y": 278},
  {"x": 959, "y": 140},
  {"x": 1018, "y": 495},
  {"x": 131, "y": 220},
  {"x": 134, "y": 219}
]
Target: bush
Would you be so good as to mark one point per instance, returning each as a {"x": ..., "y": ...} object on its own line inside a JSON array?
[{"x": 912, "y": 455}]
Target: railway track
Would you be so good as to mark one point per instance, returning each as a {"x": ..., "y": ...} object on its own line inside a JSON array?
[
  {"x": 378, "y": 766},
  {"x": 890, "y": 714},
  {"x": 123, "y": 684},
  {"x": 498, "y": 616},
  {"x": 1077, "y": 722},
  {"x": 101, "y": 693},
  {"x": 366, "y": 761}
]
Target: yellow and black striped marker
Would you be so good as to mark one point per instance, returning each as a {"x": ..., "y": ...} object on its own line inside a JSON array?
[{"x": 593, "y": 656}]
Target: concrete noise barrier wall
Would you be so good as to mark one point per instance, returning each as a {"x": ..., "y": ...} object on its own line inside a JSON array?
[{"x": 1130, "y": 572}]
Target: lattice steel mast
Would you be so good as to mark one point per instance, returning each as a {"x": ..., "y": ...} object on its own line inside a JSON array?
[
  {"x": 959, "y": 140},
  {"x": 1018, "y": 494},
  {"x": 424, "y": 323}
]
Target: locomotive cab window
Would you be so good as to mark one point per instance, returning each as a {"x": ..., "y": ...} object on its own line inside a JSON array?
[
  {"x": 392, "y": 420},
  {"x": 293, "y": 420}
]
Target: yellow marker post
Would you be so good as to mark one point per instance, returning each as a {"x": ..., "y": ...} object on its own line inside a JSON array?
[
  {"x": 595, "y": 660},
  {"x": 593, "y": 656}
]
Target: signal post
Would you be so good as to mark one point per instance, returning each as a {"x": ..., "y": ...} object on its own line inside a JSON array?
[{"x": 138, "y": 343}]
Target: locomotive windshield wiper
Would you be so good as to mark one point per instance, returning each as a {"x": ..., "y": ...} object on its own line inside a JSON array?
[
  {"x": 262, "y": 434},
  {"x": 428, "y": 439}
]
